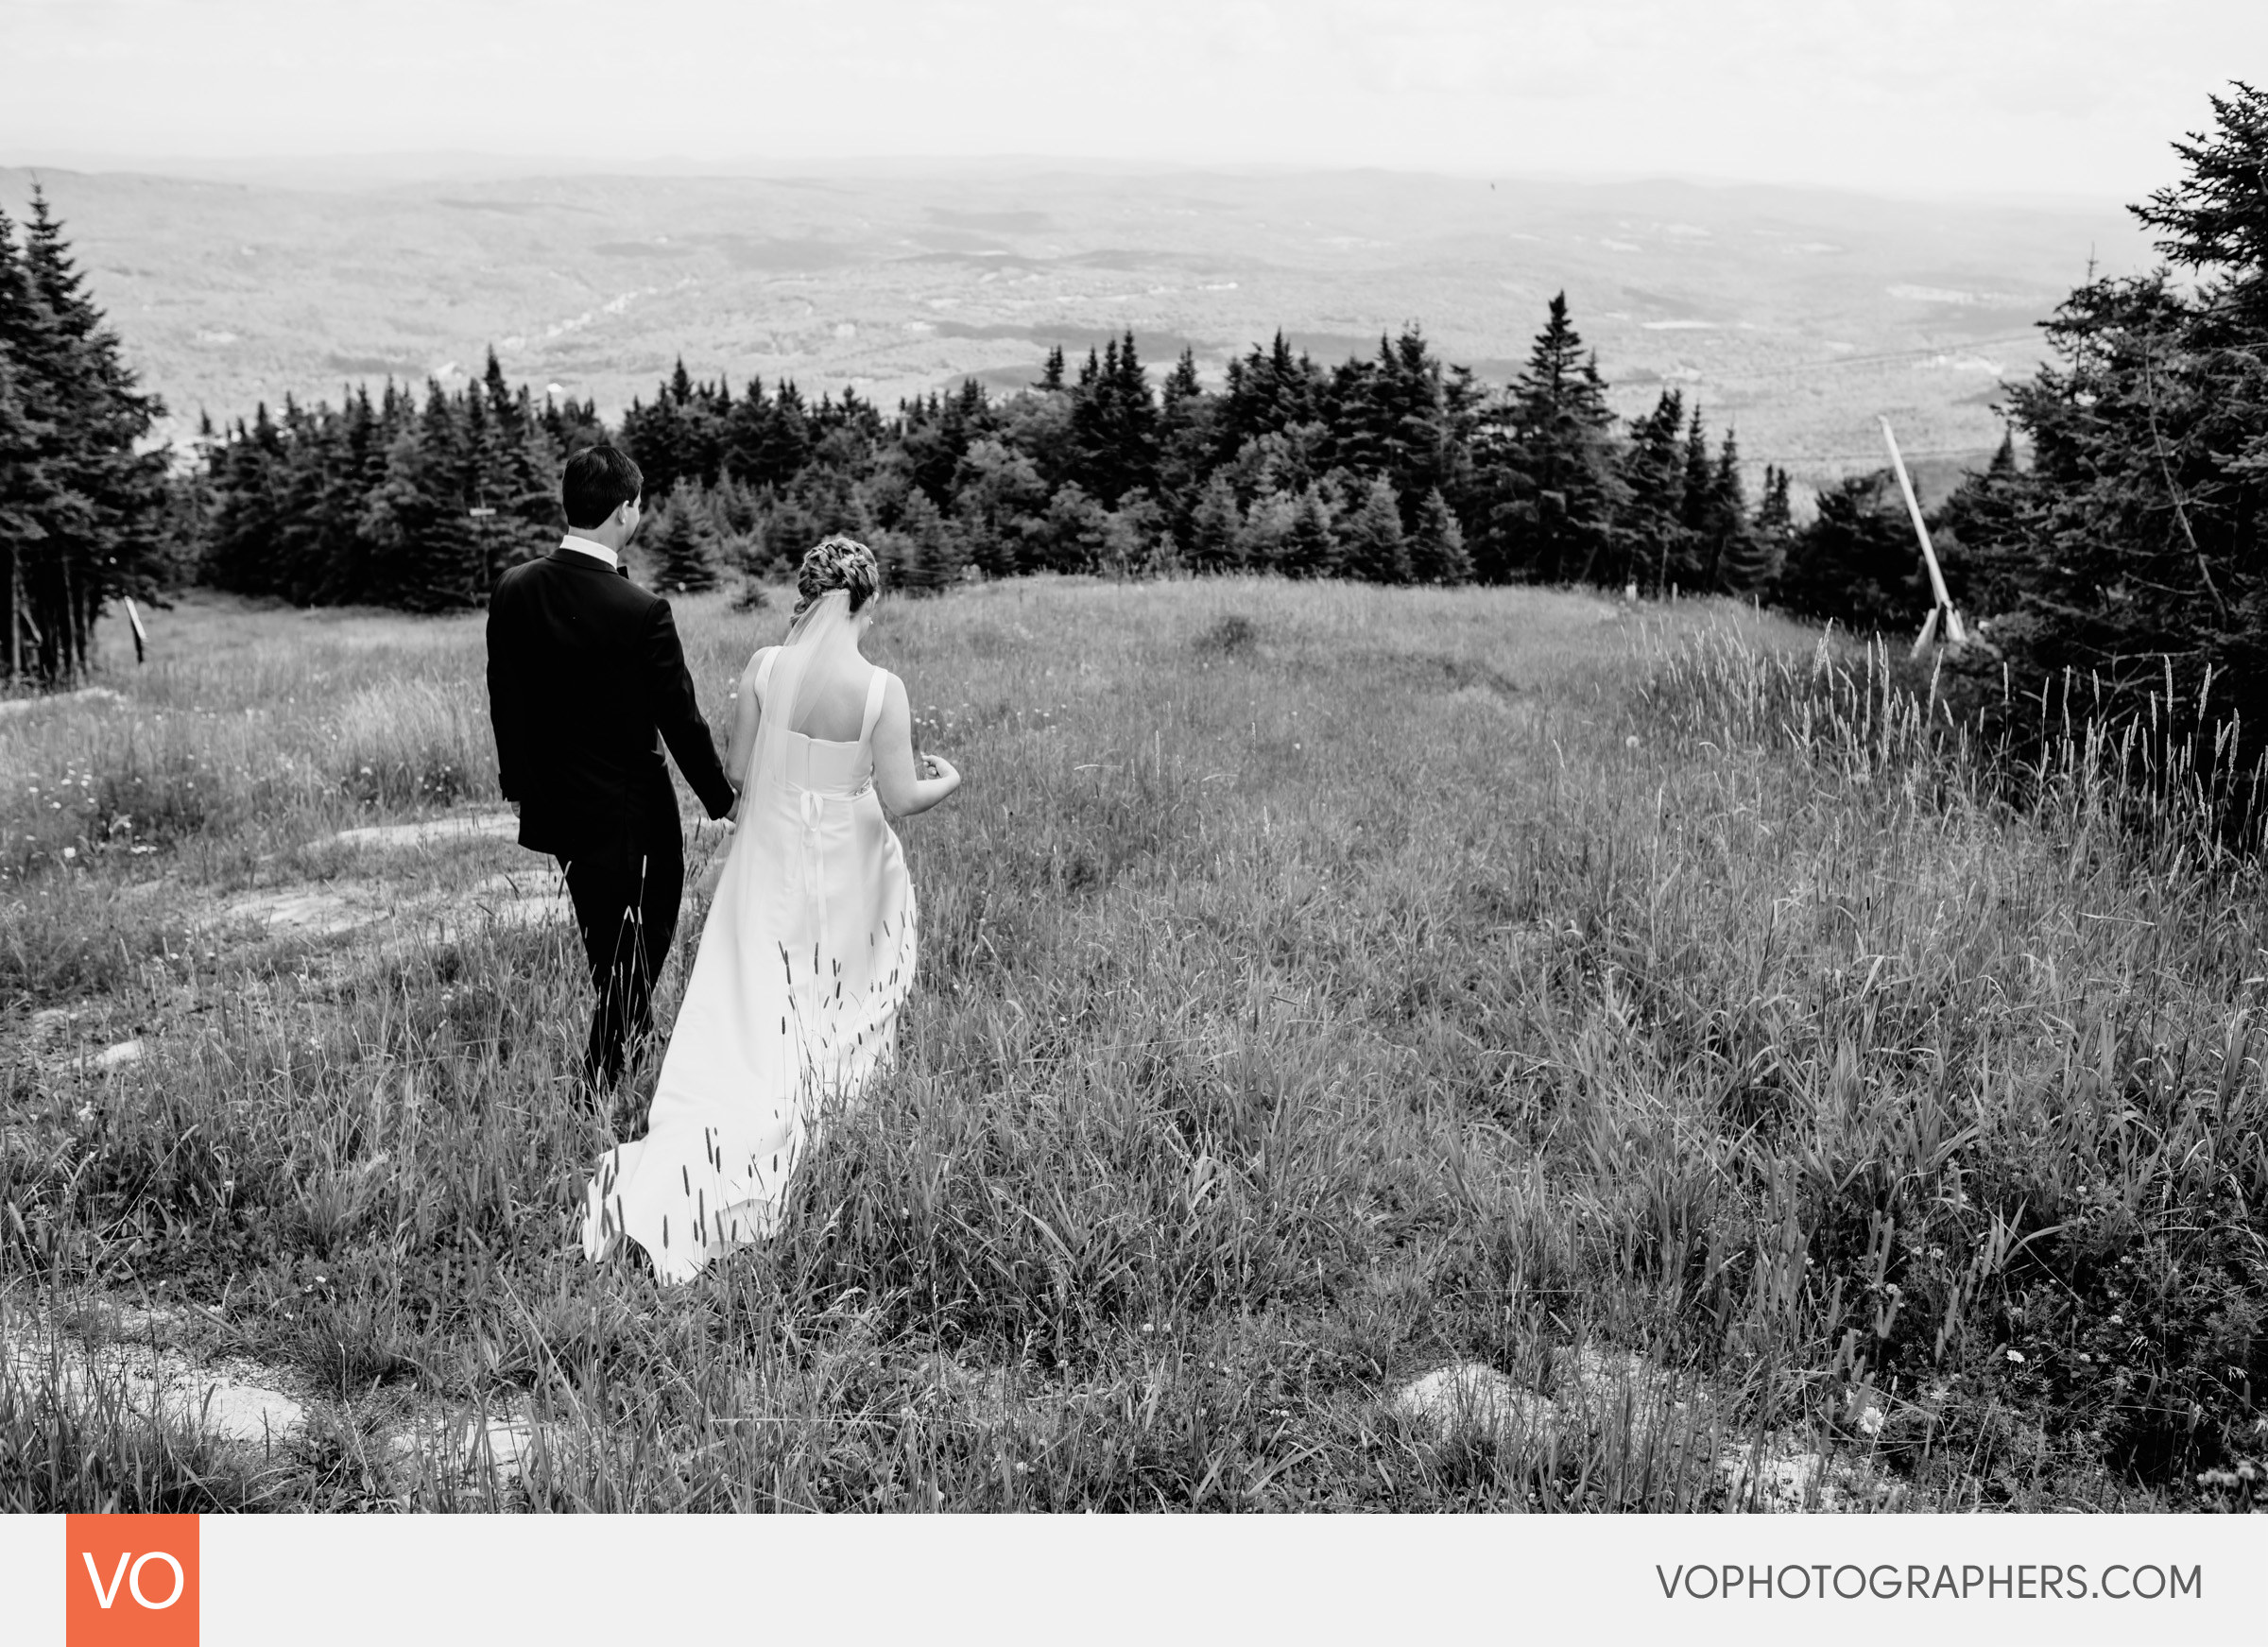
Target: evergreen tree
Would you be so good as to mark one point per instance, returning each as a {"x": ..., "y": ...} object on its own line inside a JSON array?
[
  {"x": 1216, "y": 526},
  {"x": 1650, "y": 526},
  {"x": 1268, "y": 391},
  {"x": 1397, "y": 415},
  {"x": 1769, "y": 536},
  {"x": 1185, "y": 443},
  {"x": 427, "y": 555},
  {"x": 935, "y": 433},
  {"x": 26, "y": 495},
  {"x": 1551, "y": 494},
  {"x": 244, "y": 519},
  {"x": 1266, "y": 528},
  {"x": 770, "y": 439},
  {"x": 1437, "y": 544},
  {"x": 514, "y": 472},
  {"x": 2215, "y": 220},
  {"x": 923, "y": 553},
  {"x": 91, "y": 503},
  {"x": 1311, "y": 547},
  {"x": 1856, "y": 562},
  {"x": 1979, "y": 536},
  {"x": 1375, "y": 545},
  {"x": 1135, "y": 541},
  {"x": 1113, "y": 423},
  {"x": 1000, "y": 504},
  {"x": 681, "y": 547},
  {"x": 1181, "y": 386},
  {"x": 1736, "y": 560},
  {"x": 1774, "y": 517},
  {"x": 1683, "y": 559},
  {"x": 1077, "y": 530}
]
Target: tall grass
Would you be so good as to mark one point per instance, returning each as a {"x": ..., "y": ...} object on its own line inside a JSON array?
[{"x": 1319, "y": 985}]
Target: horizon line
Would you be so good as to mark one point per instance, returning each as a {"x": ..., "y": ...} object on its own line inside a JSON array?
[{"x": 378, "y": 168}]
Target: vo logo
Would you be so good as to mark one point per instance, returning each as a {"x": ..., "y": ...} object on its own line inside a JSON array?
[{"x": 131, "y": 1581}]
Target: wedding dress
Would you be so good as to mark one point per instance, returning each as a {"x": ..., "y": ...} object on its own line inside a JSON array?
[{"x": 793, "y": 1001}]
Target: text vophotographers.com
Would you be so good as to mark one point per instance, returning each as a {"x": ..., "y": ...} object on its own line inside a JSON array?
[{"x": 1921, "y": 1581}]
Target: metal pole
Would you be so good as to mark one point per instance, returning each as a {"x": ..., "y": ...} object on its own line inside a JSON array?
[
  {"x": 1928, "y": 627},
  {"x": 1945, "y": 601}
]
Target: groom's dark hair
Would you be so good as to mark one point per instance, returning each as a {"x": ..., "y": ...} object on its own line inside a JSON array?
[{"x": 597, "y": 481}]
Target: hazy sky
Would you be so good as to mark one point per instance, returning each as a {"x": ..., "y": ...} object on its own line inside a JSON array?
[{"x": 2076, "y": 96}]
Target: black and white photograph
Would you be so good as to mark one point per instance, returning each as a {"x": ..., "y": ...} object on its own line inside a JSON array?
[{"x": 1245, "y": 759}]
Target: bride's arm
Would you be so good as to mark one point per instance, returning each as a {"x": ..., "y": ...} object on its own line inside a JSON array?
[
  {"x": 902, "y": 790},
  {"x": 745, "y": 713}
]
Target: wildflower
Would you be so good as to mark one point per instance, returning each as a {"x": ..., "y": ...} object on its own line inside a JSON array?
[
  {"x": 2016, "y": 1356},
  {"x": 1630, "y": 742},
  {"x": 70, "y": 852},
  {"x": 1870, "y": 1421}
]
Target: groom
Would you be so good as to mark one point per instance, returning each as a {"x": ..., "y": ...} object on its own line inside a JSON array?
[{"x": 586, "y": 683}]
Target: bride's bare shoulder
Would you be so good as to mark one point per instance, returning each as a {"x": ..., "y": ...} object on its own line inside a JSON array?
[{"x": 752, "y": 677}]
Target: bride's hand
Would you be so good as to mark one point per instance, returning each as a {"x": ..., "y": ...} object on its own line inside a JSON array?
[{"x": 940, "y": 767}]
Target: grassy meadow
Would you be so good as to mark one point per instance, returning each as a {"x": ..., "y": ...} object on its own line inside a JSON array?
[{"x": 1321, "y": 985}]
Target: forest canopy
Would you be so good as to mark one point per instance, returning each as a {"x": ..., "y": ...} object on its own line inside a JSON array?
[{"x": 1396, "y": 469}]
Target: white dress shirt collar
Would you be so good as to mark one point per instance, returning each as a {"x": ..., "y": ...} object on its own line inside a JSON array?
[{"x": 596, "y": 551}]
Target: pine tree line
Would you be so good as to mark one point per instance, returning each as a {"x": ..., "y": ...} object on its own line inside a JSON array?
[
  {"x": 1395, "y": 468},
  {"x": 83, "y": 509},
  {"x": 392, "y": 501}
]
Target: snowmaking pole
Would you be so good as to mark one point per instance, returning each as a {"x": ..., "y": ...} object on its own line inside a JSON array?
[{"x": 1953, "y": 631}]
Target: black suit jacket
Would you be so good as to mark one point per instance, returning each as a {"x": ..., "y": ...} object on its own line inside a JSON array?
[{"x": 587, "y": 681}]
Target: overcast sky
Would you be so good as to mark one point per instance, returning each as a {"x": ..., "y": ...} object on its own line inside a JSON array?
[{"x": 1922, "y": 96}]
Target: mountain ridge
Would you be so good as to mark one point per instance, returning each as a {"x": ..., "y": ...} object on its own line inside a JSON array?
[{"x": 1796, "y": 314}]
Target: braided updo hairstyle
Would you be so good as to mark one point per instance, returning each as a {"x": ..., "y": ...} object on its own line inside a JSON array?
[{"x": 838, "y": 562}]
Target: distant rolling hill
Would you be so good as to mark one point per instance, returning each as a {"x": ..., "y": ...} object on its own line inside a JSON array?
[{"x": 1797, "y": 314}]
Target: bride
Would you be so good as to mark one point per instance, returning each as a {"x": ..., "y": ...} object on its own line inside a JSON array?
[{"x": 809, "y": 948}]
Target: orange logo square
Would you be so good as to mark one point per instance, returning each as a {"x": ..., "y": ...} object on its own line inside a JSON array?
[{"x": 129, "y": 1581}]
